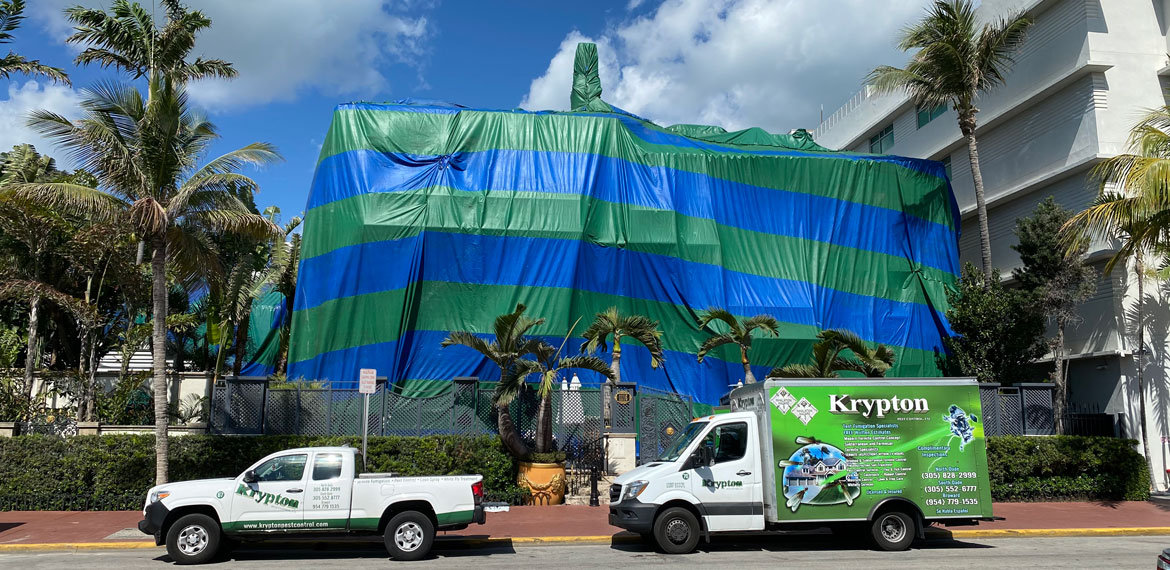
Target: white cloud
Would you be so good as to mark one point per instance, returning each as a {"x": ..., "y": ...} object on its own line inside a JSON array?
[
  {"x": 29, "y": 97},
  {"x": 283, "y": 48},
  {"x": 736, "y": 63}
]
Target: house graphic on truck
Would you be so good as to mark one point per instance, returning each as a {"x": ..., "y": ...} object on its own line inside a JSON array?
[{"x": 810, "y": 474}]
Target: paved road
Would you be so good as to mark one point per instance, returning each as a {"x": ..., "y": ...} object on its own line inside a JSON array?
[{"x": 778, "y": 552}]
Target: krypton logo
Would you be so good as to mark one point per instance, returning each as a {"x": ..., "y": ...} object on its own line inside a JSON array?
[
  {"x": 268, "y": 498},
  {"x": 712, "y": 484}
]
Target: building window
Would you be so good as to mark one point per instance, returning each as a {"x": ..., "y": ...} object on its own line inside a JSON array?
[
  {"x": 883, "y": 141},
  {"x": 928, "y": 114},
  {"x": 947, "y": 165}
]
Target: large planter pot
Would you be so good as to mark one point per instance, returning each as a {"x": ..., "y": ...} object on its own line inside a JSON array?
[{"x": 545, "y": 481}]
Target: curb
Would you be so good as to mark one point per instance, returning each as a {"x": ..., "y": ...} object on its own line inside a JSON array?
[
  {"x": 523, "y": 541},
  {"x": 1053, "y": 532}
]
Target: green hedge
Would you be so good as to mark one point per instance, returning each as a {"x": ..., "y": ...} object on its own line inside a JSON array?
[
  {"x": 1065, "y": 467},
  {"x": 113, "y": 472}
]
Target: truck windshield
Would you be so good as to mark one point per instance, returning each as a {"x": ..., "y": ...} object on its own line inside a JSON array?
[{"x": 693, "y": 431}]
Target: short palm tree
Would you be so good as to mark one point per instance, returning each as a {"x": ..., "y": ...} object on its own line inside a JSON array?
[
  {"x": 145, "y": 159},
  {"x": 828, "y": 360},
  {"x": 739, "y": 333},
  {"x": 11, "y": 15},
  {"x": 549, "y": 363},
  {"x": 1133, "y": 208},
  {"x": 506, "y": 352},
  {"x": 612, "y": 323},
  {"x": 956, "y": 61}
]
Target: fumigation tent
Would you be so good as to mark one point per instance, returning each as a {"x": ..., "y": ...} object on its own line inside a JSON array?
[{"x": 425, "y": 218}]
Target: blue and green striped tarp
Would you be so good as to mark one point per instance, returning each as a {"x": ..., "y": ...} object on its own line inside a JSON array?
[{"x": 426, "y": 218}]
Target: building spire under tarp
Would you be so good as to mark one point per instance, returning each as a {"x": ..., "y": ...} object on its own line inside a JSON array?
[{"x": 586, "y": 95}]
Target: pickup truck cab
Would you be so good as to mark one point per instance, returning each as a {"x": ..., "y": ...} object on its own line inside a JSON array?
[{"x": 312, "y": 491}]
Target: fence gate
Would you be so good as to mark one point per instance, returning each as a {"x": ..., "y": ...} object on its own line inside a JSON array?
[
  {"x": 1023, "y": 409},
  {"x": 237, "y": 407},
  {"x": 662, "y": 418}
]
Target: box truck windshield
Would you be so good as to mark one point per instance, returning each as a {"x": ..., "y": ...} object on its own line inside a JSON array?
[{"x": 693, "y": 431}]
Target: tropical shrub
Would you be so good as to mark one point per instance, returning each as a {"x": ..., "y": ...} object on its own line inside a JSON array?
[{"x": 1066, "y": 467}]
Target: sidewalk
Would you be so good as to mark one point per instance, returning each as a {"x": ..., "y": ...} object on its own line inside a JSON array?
[{"x": 51, "y": 530}]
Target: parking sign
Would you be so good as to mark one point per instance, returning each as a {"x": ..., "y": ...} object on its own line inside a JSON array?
[{"x": 367, "y": 381}]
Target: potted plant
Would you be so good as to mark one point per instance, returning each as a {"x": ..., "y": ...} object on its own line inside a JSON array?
[{"x": 541, "y": 469}]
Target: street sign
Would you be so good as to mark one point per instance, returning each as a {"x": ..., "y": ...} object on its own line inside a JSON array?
[
  {"x": 367, "y": 384},
  {"x": 368, "y": 381}
]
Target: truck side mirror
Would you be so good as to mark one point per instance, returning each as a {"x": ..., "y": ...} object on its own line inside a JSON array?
[
  {"x": 703, "y": 456},
  {"x": 249, "y": 476}
]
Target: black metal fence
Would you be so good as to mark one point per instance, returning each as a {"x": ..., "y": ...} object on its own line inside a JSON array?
[
  {"x": 1091, "y": 420},
  {"x": 1022, "y": 409},
  {"x": 251, "y": 406}
]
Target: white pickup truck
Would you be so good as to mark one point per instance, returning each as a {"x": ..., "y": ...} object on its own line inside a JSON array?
[{"x": 318, "y": 491}]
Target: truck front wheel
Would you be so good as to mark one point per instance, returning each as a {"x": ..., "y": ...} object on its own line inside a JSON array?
[
  {"x": 676, "y": 531},
  {"x": 193, "y": 539},
  {"x": 893, "y": 530},
  {"x": 409, "y": 536}
]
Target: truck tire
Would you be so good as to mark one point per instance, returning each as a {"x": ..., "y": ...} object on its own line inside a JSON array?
[
  {"x": 676, "y": 531},
  {"x": 193, "y": 539},
  {"x": 893, "y": 531},
  {"x": 409, "y": 536}
]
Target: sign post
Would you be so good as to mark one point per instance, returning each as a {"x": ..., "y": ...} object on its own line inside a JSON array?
[{"x": 367, "y": 384}]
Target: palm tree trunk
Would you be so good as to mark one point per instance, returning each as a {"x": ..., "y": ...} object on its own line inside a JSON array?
[
  {"x": 30, "y": 359},
  {"x": 1141, "y": 323},
  {"x": 241, "y": 340},
  {"x": 748, "y": 377},
  {"x": 980, "y": 198},
  {"x": 158, "y": 269},
  {"x": 544, "y": 424},
  {"x": 607, "y": 386},
  {"x": 508, "y": 435}
]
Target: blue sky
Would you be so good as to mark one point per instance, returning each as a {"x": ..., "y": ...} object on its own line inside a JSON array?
[{"x": 733, "y": 63}]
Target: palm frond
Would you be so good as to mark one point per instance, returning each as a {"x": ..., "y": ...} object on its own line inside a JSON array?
[
  {"x": 720, "y": 314},
  {"x": 713, "y": 342}
]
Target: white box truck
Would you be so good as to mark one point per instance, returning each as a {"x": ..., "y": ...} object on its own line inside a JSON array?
[
  {"x": 317, "y": 491},
  {"x": 881, "y": 457}
]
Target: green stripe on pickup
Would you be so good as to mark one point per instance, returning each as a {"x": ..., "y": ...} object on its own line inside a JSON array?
[
  {"x": 456, "y": 517},
  {"x": 359, "y": 524}
]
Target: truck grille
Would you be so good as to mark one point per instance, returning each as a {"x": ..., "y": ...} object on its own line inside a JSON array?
[{"x": 615, "y": 493}]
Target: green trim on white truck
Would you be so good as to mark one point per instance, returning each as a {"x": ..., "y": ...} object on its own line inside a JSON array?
[
  {"x": 894, "y": 453},
  {"x": 317, "y": 490}
]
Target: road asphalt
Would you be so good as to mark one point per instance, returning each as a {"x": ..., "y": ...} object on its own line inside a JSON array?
[{"x": 760, "y": 552}]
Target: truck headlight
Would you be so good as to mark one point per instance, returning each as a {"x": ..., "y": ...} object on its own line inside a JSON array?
[
  {"x": 634, "y": 488},
  {"x": 159, "y": 495}
]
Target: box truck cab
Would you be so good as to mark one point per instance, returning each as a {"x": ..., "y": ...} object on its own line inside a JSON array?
[{"x": 882, "y": 458}]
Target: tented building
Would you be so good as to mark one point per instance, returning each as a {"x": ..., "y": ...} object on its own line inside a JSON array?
[{"x": 426, "y": 218}]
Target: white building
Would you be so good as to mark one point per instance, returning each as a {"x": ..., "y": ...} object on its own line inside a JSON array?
[{"x": 1086, "y": 73}]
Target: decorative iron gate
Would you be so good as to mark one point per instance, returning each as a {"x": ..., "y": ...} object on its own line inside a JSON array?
[{"x": 662, "y": 418}]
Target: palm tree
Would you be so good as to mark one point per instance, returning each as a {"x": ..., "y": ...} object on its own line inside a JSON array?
[
  {"x": 11, "y": 15},
  {"x": 739, "y": 333},
  {"x": 1134, "y": 208},
  {"x": 956, "y": 61},
  {"x": 637, "y": 327},
  {"x": 127, "y": 38},
  {"x": 506, "y": 352},
  {"x": 144, "y": 158},
  {"x": 549, "y": 364},
  {"x": 827, "y": 359},
  {"x": 37, "y": 228}
]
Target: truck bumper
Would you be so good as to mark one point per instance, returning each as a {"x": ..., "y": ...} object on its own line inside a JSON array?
[
  {"x": 152, "y": 523},
  {"x": 632, "y": 515}
]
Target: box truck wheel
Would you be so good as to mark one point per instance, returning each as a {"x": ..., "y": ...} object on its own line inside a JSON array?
[
  {"x": 193, "y": 539},
  {"x": 409, "y": 536},
  {"x": 893, "y": 530},
  {"x": 676, "y": 531}
]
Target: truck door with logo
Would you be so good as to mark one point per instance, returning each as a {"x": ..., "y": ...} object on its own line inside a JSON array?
[
  {"x": 730, "y": 491},
  {"x": 271, "y": 499},
  {"x": 327, "y": 499}
]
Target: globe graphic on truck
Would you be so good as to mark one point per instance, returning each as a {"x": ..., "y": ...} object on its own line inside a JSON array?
[{"x": 819, "y": 474}]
